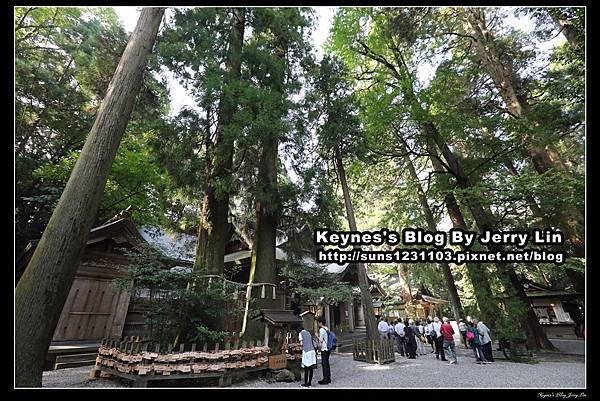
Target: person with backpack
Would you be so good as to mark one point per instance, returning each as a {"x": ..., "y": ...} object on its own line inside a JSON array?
[
  {"x": 309, "y": 356},
  {"x": 436, "y": 335},
  {"x": 475, "y": 343},
  {"x": 400, "y": 340},
  {"x": 325, "y": 351},
  {"x": 448, "y": 340}
]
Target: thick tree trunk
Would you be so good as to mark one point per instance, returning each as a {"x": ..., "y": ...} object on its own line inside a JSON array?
[
  {"x": 404, "y": 284},
  {"x": 481, "y": 285},
  {"x": 43, "y": 288},
  {"x": 214, "y": 227},
  {"x": 566, "y": 27},
  {"x": 432, "y": 226},
  {"x": 268, "y": 207},
  {"x": 536, "y": 337},
  {"x": 509, "y": 86},
  {"x": 421, "y": 116},
  {"x": 363, "y": 282},
  {"x": 264, "y": 262},
  {"x": 577, "y": 279}
]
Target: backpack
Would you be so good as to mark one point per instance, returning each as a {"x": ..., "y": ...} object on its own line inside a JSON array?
[
  {"x": 433, "y": 332},
  {"x": 331, "y": 341},
  {"x": 470, "y": 335}
]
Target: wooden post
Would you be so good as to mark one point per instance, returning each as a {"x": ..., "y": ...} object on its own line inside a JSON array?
[
  {"x": 351, "y": 314},
  {"x": 266, "y": 335}
]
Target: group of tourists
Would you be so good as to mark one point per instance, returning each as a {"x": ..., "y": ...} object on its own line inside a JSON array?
[
  {"x": 412, "y": 335},
  {"x": 477, "y": 336}
]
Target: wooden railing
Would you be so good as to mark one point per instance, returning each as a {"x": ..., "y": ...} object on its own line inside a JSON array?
[
  {"x": 373, "y": 351},
  {"x": 141, "y": 360}
]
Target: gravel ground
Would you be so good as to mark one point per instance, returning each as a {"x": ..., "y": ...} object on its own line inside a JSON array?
[
  {"x": 76, "y": 377},
  {"x": 426, "y": 372}
]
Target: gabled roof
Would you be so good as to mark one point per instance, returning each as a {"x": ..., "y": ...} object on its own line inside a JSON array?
[
  {"x": 246, "y": 254},
  {"x": 278, "y": 317},
  {"x": 536, "y": 290},
  {"x": 111, "y": 230},
  {"x": 173, "y": 245},
  {"x": 433, "y": 300},
  {"x": 529, "y": 285}
]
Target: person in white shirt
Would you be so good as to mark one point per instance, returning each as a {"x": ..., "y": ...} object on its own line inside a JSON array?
[
  {"x": 390, "y": 330},
  {"x": 325, "y": 352},
  {"x": 439, "y": 350},
  {"x": 382, "y": 327},
  {"x": 428, "y": 329},
  {"x": 419, "y": 331},
  {"x": 400, "y": 339},
  {"x": 309, "y": 356}
]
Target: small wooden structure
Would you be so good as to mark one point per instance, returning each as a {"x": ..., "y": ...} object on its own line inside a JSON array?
[
  {"x": 420, "y": 305},
  {"x": 280, "y": 321},
  {"x": 131, "y": 359},
  {"x": 560, "y": 312},
  {"x": 373, "y": 351}
]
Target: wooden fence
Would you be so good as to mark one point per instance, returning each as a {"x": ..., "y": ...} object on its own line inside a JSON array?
[
  {"x": 373, "y": 351},
  {"x": 141, "y": 360}
]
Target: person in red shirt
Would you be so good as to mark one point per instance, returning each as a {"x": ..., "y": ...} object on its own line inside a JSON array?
[{"x": 448, "y": 340}]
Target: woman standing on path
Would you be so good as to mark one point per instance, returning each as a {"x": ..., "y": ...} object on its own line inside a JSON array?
[
  {"x": 428, "y": 328},
  {"x": 411, "y": 343},
  {"x": 436, "y": 334},
  {"x": 486, "y": 340},
  {"x": 419, "y": 332},
  {"x": 462, "y": 327},
  {"x": 473, "y": 339},
  {"x": 309, "y": 356}
]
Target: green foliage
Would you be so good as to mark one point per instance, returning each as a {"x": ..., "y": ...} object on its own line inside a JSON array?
[
  {"x": 311, "y": 282},
  {"x": 64, "y": 60},
  {"x": 387, "y": 73},
  {"x": 190, "y": 314},
  {"x": 507, "y": 324}
]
